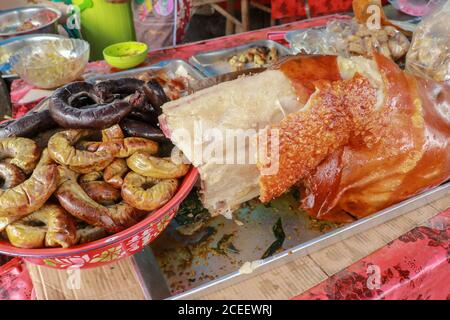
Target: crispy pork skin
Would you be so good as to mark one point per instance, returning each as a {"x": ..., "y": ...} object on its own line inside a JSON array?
[{"x": 363, "y": 145}]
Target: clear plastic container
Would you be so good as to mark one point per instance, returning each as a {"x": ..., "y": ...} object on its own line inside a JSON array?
[{"x": 51, "y": 63}]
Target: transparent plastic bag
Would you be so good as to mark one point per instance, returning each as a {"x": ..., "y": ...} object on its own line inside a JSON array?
[
  {"x": 349, "y": 38},
  {"x": 429, "y": 55},
  {"x": 328, "y": 40},
  {"x": 311, "y": 41}
]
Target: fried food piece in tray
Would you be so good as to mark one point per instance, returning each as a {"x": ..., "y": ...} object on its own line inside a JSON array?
[
  {"x": 11, "y": 175},
  {"x": 30, "y": 195},
  {"x": 115, "y": 172},
  {"x": 50, "y": 226},
  {"x": 61, "y": 147},
  {"x": 256, "y": 56},
  {"x": 21, "y": 152},
  {"x": 335, "y": 111},
  {"x": 112, "y": 218},
  {"x": 147, "y": 193},
  {"x": 146, "y": 165}
]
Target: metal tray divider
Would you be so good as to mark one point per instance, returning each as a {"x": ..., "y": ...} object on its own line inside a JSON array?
[
  {"x": 220, "y": 55},
  {"x": 170, "y": 65}
]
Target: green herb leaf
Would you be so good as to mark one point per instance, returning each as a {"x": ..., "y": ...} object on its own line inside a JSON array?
[
  {"x": 278, "y": 243},
  {"x": 226, "y": 239},
  {"x": 191, "y": 210}
]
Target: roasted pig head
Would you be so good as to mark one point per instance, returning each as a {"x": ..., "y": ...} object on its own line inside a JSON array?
[
  {"x": 246, "y": 104},
  {"x": 365, "y": 142},
  {"x": 356, "y": 134}
]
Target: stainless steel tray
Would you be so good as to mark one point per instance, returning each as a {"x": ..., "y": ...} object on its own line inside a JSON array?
[
  {"x": 177, "y": 67},
  {"x": 214, "y": 63},
  {"x": 163, "y": 275}
]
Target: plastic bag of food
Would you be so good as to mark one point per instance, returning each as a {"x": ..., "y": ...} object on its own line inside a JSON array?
[
  {"x": 352, "y": 38},
  {"x": 429, "y": 55},
  {"x": 319, "y": 40},
  {"x": 311, "y": 41},
  {"x": 338, "y": 33}
]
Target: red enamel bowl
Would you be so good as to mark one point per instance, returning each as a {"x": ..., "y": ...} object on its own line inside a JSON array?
[{"x": 112, "y": 248}]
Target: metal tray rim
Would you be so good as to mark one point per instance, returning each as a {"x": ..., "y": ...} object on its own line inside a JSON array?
[
  {"x": 327, "y": 239},
  {"x": 193, "y": 60},
  {"x": 198, "y": 75}
]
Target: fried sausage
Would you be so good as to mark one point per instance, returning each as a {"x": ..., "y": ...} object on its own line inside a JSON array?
[
  {"x": 156, "y": 95},
  {"x": 97, "y": 116},
  {"x": 93, "y": 176},
  {"x": 23, "y": 152},
  {"x": 30, "y": 195},
  {"x": 88, "y": 233},
  {"x": 146, "y": 165},
  {"x": 112, "y": 218},
  {"x": 101, "y": 192},
  {"x": 123, "y": 86},
  {"x": 147, "y": 193},
  {"x": 28, "y": 125},
  {"x": 61, "y": 149},
  {"x": 125, "y": 147},
  {"x": 50, "y": 226},
  {"x": 111, "y": 133},
  {"x": 115, "y": 172},
  {"x": 135, "y": 128},
  {"x": 128, "y": 146},
  {"x": 11, "y": 175}
]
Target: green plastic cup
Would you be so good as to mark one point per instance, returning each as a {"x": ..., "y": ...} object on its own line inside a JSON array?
[{"x": 125, "y": 55}]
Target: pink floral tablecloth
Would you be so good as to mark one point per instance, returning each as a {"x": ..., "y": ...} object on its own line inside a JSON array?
[
  {"x": 15, "y": 281},
  {"x": 416, "y": 266}
]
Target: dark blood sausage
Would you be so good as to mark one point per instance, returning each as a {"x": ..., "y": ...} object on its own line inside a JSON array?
[
  {"x": 156, "y": 95},
  {"x": 134, "y": 128},
  {"x": 122, "y": 86},
  {"x": 28, "y": 126},
  {"x": 97, "y": 116},
  {"x": 150, "y": 118},
  {"x": 145, "y": 112}
]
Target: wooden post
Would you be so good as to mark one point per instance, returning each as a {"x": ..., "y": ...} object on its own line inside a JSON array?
[
  {"x": 245, "y": 15},
  {"x": 230, "y": 27},
  {"x": 5, "y": 101}
]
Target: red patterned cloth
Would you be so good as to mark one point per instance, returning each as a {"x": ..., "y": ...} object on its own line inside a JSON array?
[
  {"x": 297, "y": 8},
  {"x": 288, "y": 8},
  {"x": 324, "y": 7},
  {"x": 416, "y": 266},
  {"x": 19, "y": 88},
  {"x": 15, "y": 281}
]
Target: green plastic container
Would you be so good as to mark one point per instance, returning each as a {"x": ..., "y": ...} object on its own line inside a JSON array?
[
  {"x": 125, "y": 55},
  {"x": 103, "y": 24}
]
